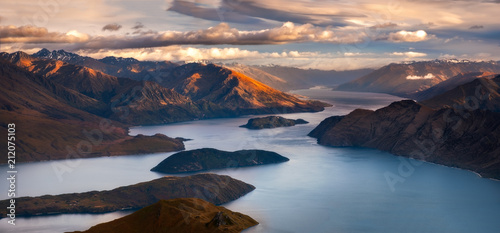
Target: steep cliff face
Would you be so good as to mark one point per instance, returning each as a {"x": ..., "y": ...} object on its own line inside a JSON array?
[
  {"x": 467, "y": 140},
  {"x": 178, "y": 215}
]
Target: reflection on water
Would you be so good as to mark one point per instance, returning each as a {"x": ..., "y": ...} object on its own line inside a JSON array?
[{"x": 320, "y": 189}]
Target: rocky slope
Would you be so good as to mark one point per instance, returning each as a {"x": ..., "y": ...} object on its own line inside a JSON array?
[
  {"x": 216, "y": 91},
  {"x": 409, "y": 78},
  {"x": 56, "y": 100},
  {"x": 213, "y": 188},
  {"x": 482, "y": 93},
  {"x": 178, "y": 215},
  {"x": 468, "y": 140},
  {"x": 234, "y": 90},
  {"x": 120, "y": 99},
  {"x": 208, "y": 158},
  {"x": 51, "y": 122},
  {"x": 271, "y": 122},
  {"x": 450, "y": 84}
]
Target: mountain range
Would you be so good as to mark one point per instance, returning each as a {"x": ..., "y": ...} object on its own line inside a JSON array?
[
  {"x": 279, "y": 77},
  {"x": 408, "y": 79},
  {"x": 458, "y": 128},
  {"x": 55, "y": 101}
]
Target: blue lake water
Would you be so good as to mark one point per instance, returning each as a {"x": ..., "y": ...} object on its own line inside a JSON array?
[{"x": 320, "y": 189}]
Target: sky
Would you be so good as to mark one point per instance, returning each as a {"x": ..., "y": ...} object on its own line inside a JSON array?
[{"x": 319, "y": 34}]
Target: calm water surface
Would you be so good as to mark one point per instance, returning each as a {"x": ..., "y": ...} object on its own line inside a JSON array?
[{"x": 320, "y": 189}]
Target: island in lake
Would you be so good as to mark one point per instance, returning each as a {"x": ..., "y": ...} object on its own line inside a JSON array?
[
  {"x": 208, "y": 158},
  {"x": 217, "y": 189},
  {"x": 178, "y": 215},
  {"x": 271, "y": 122}
]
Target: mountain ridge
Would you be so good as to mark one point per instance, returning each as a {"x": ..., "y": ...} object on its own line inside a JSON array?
[
  {"x": 407, "y": 79},
  {"x": 445, "y": 129}
]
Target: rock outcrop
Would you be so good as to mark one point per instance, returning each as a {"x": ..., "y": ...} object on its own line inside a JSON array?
[
  {"x": 178, "y": 215},
  {"x": 271, "y": 122},
  {"x": 468, "y": 140},
  {"x": 208, "y": 158}
]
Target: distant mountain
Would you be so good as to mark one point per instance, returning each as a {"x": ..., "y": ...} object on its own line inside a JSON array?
[
  {"x": 213, "y": 92},
  {"x": 263, "y": 77},
  {"x": 481, "y": 93},
  {"x": 290, "y": 78},
  {"x": 115, "y": 66},
  {"x": 460, "y": 130},
  {"x": 121, "y": 99},
  {"x": 234, "y": 90},
  {"x": 178, "y": 215},
  {"x": 50, "y": 118},
  {"x": 406, "y": 79},
  {"x": 217, "y": 189}
]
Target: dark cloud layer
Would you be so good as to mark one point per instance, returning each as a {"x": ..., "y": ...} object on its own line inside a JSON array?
[
  {"x": 213, "y": 14},
  {"x": 251, "y": 12},
  {"x": 477, "y": 27},
  {"x": 112, "y": 27}
]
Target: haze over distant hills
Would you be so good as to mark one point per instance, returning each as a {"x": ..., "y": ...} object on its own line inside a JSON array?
[
  {"x": 406, "y": 79},
  {"x": 291, "y": 78}
]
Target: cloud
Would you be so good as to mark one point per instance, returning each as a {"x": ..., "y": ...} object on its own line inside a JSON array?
[
  {"x": 409, "y": 36},
  {"x": 410, "y": 54},
  {"x": 112, "y": 27},
  {"x": 253, "y": 12},
  {"x": 416, "y": 77},
  {"x": 138, "y": 25},
  {"x": 23, "y": 31},
  {"x": 477, "y": 27},
  {"x": 32, "y": 34},
  {"x": 384, "y": 25},
  {"x": 213, "y": 14},
  {"x": 319, "y": 13},
  {"x": 190, "y": 54},
  {"x": 219, "y": 34}
]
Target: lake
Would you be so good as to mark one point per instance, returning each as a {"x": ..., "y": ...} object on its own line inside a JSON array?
[{"x": 321, "y": 189}]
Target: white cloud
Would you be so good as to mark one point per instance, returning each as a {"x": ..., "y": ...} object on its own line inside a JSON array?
[
  {"x": 416, "y": 77},
  {"x": 190, "y": 54},
  {"x": 410, "y": 54},
  {"x": 409, "y": 36}
]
